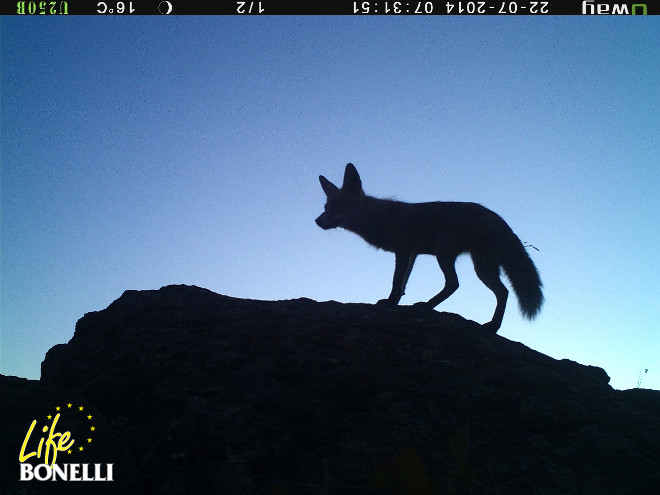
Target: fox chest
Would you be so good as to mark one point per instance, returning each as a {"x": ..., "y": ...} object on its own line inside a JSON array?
[{"x": 402, "y": 238}]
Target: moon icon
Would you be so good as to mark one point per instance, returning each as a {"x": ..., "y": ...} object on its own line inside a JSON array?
[{"x": 165, "y": 7}]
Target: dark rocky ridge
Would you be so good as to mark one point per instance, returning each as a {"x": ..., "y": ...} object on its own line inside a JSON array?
[{"x": 202, "y": 393}]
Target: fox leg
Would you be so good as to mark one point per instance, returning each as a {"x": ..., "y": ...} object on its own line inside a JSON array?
[
  {"x": 488, "y": 271},
  {"x": 402, "y": 268},
  {"x": 451, "y": 280}
]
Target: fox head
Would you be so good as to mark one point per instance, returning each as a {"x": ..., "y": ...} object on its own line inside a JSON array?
[{"x": 341, "y": 202}]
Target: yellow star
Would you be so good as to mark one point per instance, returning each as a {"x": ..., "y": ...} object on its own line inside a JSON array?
[
  {"x": 80, "y": 408},
  {"x": 49, "y": 417},
  {"x": 80, "y": 448},
  {"x": 68, "y": 451},
  {"x": 57, "y": 408},
  {"x": 89, "y": 440},
  {"x": 89, "y": 416},
  {"x": 69, "y": 405},
  {"x": 93, "y": 428}
]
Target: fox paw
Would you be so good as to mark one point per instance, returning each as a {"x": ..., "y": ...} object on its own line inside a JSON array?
[
  {"x": 490, "y": 327},
  {"x": 386, "y": 302},
  {"x": 422, "y": 307}
]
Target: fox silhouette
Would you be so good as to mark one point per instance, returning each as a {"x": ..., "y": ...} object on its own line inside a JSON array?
[{"x": 442, "y": 229}]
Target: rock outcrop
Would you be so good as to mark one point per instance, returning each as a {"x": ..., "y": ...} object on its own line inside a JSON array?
[{"x": 197, "y": 392}]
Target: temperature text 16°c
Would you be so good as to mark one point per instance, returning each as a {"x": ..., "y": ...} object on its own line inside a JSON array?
[{"x": 116, "y": 8}]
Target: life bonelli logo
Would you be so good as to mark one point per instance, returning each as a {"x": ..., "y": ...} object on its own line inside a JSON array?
[{"x": 51, "y": 453}]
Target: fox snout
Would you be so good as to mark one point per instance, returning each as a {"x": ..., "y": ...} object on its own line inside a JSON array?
[{"x": 325, "y": 222}]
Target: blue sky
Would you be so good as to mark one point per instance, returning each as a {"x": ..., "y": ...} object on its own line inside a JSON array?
[{"x": 147, "y": 151}]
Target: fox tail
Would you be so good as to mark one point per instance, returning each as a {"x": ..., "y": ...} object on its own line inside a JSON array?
[{"x": 524, "y": 277}]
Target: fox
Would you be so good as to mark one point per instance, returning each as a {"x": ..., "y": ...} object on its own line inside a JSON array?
[{"x": 441, "y": 229}]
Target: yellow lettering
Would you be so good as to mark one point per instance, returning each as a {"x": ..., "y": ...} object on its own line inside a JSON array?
[
  {"x": 61, "y": 444},
  {"x": 51, "y": 443},
  {"x": 65, "y": 436},
  {"x": 22, "y": 457}
]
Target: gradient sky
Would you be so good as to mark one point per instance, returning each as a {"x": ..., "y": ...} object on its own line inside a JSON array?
[{"x": 139, "y": 152}]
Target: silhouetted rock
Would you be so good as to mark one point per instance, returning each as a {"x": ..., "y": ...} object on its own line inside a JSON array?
[{"x": 204, "y": 393}]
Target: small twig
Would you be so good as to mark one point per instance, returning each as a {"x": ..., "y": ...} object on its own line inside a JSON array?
[{"x": 639, "y": 378}]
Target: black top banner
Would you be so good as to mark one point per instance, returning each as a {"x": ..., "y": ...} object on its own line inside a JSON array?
[{"x": 332, "y": 7}]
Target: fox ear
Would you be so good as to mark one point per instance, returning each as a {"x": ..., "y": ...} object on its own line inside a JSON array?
[
  {"x": 352, "y": 180},
  {"x": 328, "y": 187}
]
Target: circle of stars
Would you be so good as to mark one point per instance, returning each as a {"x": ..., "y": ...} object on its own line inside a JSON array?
[{"x": 90, "y": 429}]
